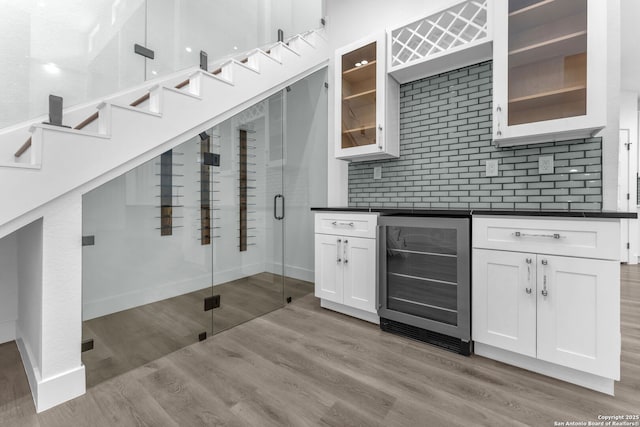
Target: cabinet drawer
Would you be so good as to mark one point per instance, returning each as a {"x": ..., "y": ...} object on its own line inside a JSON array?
[
  {"x": 578, "y": 237},
  {"x": 347, "y": 224}
]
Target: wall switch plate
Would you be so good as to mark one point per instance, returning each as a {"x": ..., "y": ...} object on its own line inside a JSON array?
[
  {"x": 545, "y": 164},
  {"x": 492, "y": 167},
  {"x": 377, "y": 172}
]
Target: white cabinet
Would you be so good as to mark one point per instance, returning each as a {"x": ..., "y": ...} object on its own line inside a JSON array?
[
  {"x": 550, "y": 68},
  {"x": 345, "y": 263},
  {"x": 367, "y": 110},
  {"x": 553, "y": 308},
  {"x": 557, "y": 310},
  {"x": 504, "y": 300}
]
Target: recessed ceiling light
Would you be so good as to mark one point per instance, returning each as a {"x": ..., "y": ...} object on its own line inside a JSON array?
[
  {"x": 188, "y": 49},
  {"x": 51, "y": 68},
  {"x": 235, "y": 48}
]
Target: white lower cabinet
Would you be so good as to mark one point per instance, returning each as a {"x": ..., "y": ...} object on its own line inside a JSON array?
[
  {"x": 345, "y": 264},
  {"x": 346, "y": 270},
  {"x": 554, "y": 308},
  {"x": 543, "y": 311}
]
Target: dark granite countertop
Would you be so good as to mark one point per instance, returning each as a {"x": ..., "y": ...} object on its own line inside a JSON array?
[{"x": 471, "y": 212}]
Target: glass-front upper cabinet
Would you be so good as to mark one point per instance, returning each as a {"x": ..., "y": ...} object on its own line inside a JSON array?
[
  {"x": 367, "y": 110},
  {"x": 550, "y": 59}
]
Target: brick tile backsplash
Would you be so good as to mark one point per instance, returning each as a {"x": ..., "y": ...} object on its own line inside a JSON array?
[{"x": 445, "y": 141}]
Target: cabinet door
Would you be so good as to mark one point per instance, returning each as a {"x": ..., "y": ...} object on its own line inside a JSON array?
[
  {"x": 362, "y": 88},
  {"x": 579, "y": 314},
  {"x": 549, "y": 70},
  {"x": 359, "y": 264},
  {"x": 504, "y": 300},
  {"x": 328, "y": 264}
]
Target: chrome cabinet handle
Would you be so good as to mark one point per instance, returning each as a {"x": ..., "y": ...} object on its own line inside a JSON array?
[
  {"x": 339, "y": 260},
  {"x": 346, "y": 242},
  {"x": 348, "y": 224},
  {"x": 380, "y": 137},
  {"x": 544, "y": 291},
  {"x": 528, "y": 288},
  {"x": 552, "y": 236}
]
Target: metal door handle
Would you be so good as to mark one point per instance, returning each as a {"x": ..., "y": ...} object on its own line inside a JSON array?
[
  {"x": 275, "y": 204},
  {"x": 345, "y": 251},
  {"x": 552, "y": 236},
  {"x": 544, "y": 291},
  {"x": 528, "y": 288},
  {"x": 339, "y": 260}
]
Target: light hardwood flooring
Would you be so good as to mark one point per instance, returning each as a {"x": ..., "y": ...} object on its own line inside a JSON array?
[
  {"x": 128, "y": 339},
  {"x": 303, "y": 365}
]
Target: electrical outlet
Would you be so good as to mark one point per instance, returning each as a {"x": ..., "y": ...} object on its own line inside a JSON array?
[
  {"x": 545, "y": 164},
  {"x": 377, "y": 172},
  {"x": 492, "y": 167}
]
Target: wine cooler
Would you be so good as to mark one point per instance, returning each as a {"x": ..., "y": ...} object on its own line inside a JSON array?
[{"x": 424, "y": 283}]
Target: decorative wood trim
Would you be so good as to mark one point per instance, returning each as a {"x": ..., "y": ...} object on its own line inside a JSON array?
[{"x": 243, "y": 190}]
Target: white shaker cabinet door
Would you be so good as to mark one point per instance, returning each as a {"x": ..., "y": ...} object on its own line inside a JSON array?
[
  {"x": 578, "y": 314},
  {"x": 328, "y": 262},
  {"x": 359, "y": 263},
  {"x": 504, "y": 300}
]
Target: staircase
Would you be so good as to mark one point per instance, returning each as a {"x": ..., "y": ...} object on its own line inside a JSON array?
[{"x": 117, "y": 134}]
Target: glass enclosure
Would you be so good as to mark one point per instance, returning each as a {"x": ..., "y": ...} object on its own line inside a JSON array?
[
  {"x": 85, "y": 50},
  {"x": 207, "y": 235}
]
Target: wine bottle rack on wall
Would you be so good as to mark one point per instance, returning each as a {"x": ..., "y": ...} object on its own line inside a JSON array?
[
  {"x": 246, "y": 186},
  {"x": 166, "y": 193},
  {"x": 205, "y": 191},
  {"x": 243, "y": 189},
  {"x": 169, "y": 192}
]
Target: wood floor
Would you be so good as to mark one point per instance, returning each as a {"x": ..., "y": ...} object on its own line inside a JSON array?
[
  {"x": 128, "y": 339},
  {"x": 303, "y": 365}
]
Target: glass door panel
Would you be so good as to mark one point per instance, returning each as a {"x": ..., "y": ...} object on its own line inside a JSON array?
[
  {"x": 547, "y": 60},
  {"x": 305, "y": 177},
  {"x": 359, "y": 97},
  {"x": 247, "y": 256},
  {"x": 147, "y": 272}
]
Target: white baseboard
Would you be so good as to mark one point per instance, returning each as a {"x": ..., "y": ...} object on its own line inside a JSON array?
[
  {"x": 224, "y": 276},
  {"x": 55, "y": 390},
  {"x": 292, "y": 271},
  {"x": 115, "y": 303},
  {"x": 583, "y": 379},
  {"x": 350, "y": 311},
  {"x": 30, "y": 368},
  {"x": 7, "y": 331},
  {"x": 60, "y": 388}
]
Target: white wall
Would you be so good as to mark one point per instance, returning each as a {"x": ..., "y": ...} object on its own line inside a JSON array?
[
  {"x": 8, "y": 288},
  {"x": 628, "y": 169},
  {"x": 348, "y": 21},
  {"x": 29, "y": 266},
  {"x": 610, "y": 135}
]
